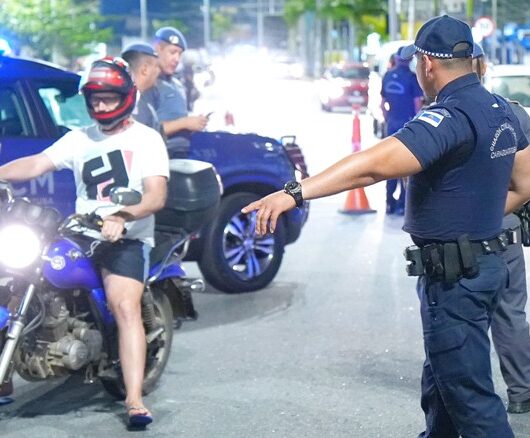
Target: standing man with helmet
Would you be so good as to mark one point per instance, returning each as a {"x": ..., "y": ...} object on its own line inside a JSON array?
[
  {"x": 144, "y": 68},
  {"x": 115, "y": 151},
  {"x": 170, "y": 95},
  {"x": 509, "y": 327},
  {"x": 401, "y": 99},
  {"x": 459, "y": 154}
]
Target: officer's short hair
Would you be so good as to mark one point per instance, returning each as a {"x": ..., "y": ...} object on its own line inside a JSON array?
[{"x": 457, "y": 63}]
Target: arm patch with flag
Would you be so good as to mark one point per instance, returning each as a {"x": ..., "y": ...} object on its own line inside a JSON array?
[{"x": 433, "y": 118}]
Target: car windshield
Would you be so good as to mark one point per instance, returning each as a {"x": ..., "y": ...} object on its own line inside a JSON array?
[
  {"x": 513, "y": 87},
  {"x": 351, "y": 73},
  {"x": 66, "y": 111}
]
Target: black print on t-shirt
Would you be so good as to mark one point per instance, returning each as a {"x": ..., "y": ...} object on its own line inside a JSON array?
[{"x": 116, "y": 175}]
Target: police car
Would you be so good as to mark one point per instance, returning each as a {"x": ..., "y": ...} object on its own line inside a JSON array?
[{"x": 39, "y": 102}]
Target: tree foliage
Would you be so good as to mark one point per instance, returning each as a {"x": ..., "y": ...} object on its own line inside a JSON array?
[
  {"x": 361, "y": 12},
  {"x": 69, "y": 27}
]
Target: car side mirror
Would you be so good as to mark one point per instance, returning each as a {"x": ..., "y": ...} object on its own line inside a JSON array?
[{"x": 125, "y": 196}]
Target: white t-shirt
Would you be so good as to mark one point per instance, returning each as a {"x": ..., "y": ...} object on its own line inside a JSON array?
[{"x": 100, "y": 162}]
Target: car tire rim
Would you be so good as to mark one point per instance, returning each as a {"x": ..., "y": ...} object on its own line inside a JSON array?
[{"x": 247, "y": 254}]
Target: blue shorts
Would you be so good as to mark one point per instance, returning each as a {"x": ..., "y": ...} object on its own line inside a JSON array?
[{"x": 126, "y": 257}]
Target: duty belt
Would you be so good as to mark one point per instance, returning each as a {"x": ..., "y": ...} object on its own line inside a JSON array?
[{"x": 450, "y": 261}]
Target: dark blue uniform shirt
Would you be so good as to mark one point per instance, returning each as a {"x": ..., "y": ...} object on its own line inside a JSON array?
[
  {"x": 465, "y": 143},
  {"x": 399, "y": 89}
]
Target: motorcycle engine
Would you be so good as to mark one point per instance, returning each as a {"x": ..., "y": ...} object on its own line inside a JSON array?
[{"x": 60, "y": 344}]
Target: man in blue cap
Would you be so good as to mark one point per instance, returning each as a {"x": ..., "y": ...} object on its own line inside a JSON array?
[
  {"x": 401, "y": 99},
  {"x": 143, "y": 64},
  {"x": 509, "y": 327},
  {"x": 169, "y": 94},
  {"x": 459, "y": 154}
]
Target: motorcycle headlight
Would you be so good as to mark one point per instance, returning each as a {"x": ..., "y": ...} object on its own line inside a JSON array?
[{"x": 19, "y": 246}]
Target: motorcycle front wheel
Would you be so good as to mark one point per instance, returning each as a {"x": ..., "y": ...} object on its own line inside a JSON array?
[{"x": 157, "y": 351}]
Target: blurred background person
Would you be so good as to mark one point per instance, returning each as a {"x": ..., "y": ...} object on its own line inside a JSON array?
[
  {"x": 401, "y": 99},
  {"x": 144, "y": 68}
]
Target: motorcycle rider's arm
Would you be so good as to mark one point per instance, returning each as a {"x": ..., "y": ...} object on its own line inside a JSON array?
[
  {"x": 26, "y": 168},
  {"x": 153, "y": 199}
]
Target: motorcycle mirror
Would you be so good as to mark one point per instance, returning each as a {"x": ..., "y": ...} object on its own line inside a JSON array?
[{"x": 125, "y": 196}]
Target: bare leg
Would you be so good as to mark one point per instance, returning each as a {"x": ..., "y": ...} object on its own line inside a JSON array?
[{"x": 124, "y": 297}]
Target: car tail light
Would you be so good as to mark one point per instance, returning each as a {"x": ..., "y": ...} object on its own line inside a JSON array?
[{"x": 295, "y": 155}]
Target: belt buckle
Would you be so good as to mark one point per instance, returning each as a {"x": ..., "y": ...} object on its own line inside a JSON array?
[{"x": 503, "y": 240}]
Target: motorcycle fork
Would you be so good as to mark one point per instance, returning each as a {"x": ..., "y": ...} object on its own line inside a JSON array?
[{"x": 16, "y": 326}]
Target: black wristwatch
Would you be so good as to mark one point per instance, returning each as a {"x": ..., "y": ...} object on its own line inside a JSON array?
[{"x": 294, "y": 188}]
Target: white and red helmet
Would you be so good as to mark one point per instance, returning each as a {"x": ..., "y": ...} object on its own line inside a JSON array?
[{"x": 110, "y": 74}]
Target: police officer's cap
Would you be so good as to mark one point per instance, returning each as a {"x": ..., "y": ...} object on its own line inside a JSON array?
[
  {"x": 144, "y": 48},
  {"x": 438, "y": 38},
  {"x": 477, "y": 51},
  {"x": 172, "y": 36}
]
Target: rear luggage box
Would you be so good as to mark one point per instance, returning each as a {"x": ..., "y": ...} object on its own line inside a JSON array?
[{"x": 193, "y": 196}]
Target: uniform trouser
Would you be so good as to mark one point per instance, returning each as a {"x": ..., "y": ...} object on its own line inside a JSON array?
[
  {"x": 391, "y": 186},
  {"x": 509, "y": 328},
  {"x": 458, "y": 397}
]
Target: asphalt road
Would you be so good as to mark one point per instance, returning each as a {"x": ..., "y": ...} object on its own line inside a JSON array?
[{"x": 332, "y": 348}]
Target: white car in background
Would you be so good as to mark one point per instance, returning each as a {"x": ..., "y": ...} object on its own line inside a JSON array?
[{"x": 511, "y": 81}]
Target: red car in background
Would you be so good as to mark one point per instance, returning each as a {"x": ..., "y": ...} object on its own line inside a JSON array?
[{"x": 344, "y": 85}]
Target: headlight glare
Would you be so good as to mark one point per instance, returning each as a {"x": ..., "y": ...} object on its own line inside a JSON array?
[{"x": 19, "y": 246}]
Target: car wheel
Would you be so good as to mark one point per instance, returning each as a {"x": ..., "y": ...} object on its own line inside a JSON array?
[
  {"x": 234, "y": 259},
  {"x": 325, "y": 107}
]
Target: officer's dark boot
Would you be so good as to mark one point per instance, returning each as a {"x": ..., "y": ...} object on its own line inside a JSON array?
[{"x": 519, "y": 407}]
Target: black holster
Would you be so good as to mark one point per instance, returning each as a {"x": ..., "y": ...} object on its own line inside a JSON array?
[
  {"x": 524, "y": 216},
  {"x": 447, "y": 262}
]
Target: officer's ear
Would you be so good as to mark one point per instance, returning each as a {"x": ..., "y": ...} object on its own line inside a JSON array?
[{"x": 427, "y": 64}]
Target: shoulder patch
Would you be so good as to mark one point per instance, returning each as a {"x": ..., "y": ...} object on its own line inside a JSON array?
[{"x": 433, "y": 118}]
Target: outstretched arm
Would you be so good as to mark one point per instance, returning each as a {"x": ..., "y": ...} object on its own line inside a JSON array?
[
  {"x": 388, "y": 159},
  {"x": 26, "y": 168}
]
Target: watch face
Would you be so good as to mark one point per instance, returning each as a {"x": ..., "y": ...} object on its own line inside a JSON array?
[{"x": 293, "y": 186}]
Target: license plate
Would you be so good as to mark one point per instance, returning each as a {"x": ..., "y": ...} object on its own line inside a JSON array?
[{"x": 356, "y": 99}]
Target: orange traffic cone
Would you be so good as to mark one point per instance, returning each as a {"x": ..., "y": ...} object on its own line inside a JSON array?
[
  {"x": 356, "y": 200},
  {"x": 356, "y": 131}
]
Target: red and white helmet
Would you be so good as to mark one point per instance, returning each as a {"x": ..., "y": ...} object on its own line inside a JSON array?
[{"x": 110, "y": 75}]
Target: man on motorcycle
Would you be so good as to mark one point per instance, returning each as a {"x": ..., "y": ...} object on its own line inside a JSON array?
[{"x": 115, "y": 151}]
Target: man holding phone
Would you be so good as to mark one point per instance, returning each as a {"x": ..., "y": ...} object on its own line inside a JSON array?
[{"x": 169, "y": 97}]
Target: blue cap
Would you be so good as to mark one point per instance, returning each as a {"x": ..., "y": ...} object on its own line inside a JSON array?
[
  {"x": 438, "y": 38},
  {"x": 144, "y": 48},
  {"x": 172, "y": 36},
  {"x": 477, "y": 51}
]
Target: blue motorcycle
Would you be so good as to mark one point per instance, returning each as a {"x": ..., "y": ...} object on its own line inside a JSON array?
[{"x": 54, "y": 319}]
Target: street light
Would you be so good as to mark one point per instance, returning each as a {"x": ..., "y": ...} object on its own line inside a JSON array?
[
  {"x": 143, "y": 19},
  {"x": 206, "y": 17}
]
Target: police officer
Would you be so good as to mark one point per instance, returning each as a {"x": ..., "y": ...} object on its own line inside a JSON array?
[
  {"x": 459, "y": 155},
  {"x": 144, "y": 68},
  {"x": 509, "y": 328},
  {"x": 169, "y": 94},
  {"x": 401, "y": 99}
]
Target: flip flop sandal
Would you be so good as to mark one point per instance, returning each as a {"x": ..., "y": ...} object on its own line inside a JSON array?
[{"x": 139, "y": 420}]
